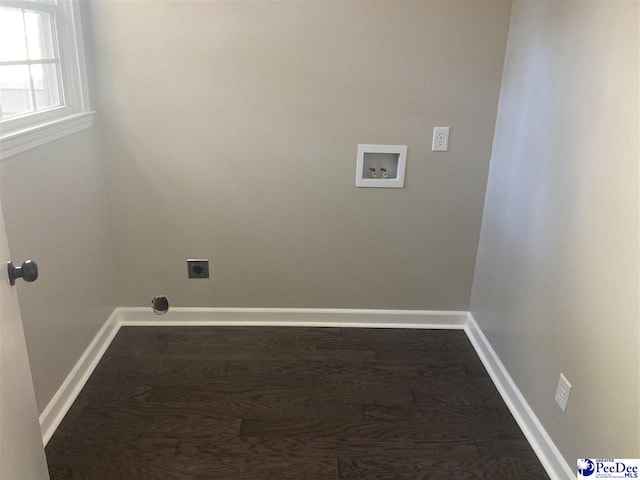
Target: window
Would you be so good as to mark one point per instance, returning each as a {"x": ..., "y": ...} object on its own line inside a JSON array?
[{"x": 43, "y": 93}]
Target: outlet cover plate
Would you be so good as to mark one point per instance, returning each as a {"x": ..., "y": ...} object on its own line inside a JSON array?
[
  {"x": 198, "y": 268},
  {"x": 562, "y": 392},
  {"x": 440, "y": 139}
]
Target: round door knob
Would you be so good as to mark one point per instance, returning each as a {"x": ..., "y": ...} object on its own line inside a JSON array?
[{"x": 28, "y": 271}]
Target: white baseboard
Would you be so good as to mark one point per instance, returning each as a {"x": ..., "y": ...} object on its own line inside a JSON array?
[
  {"x": 295, "y": 317},
  {"x": 59, "y": 405},
  {"x": 547, "y": 452},
  {"x": 545, "y": 449}
]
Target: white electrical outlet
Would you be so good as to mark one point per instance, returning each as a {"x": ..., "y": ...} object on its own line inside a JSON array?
[
  {"x": 440, "y": 139},
  {"x": 562, "y": 392}
]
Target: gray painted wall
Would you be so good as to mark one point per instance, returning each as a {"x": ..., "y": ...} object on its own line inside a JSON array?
[
  {"x": 231, "y": 135},
  {"x": 55, "y": 212},
  {"x": 556, "y": 282}
]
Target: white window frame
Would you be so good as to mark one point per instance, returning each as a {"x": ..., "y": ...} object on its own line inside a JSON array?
[{"x": 30, "y": 130}]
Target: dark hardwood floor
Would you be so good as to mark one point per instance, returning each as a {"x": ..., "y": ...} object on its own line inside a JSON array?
[{"x": 290, "y": 403}]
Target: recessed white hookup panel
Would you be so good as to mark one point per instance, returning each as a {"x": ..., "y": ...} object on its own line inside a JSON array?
[{"x": 381, "y": 166}]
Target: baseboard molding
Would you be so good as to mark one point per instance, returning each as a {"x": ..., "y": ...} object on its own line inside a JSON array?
[
  {"x": 542, "y": 444},
  {"x": 295, "y": 317},
  {"x": 545, "y": 449},
  {"x": 59, "y": 405}
]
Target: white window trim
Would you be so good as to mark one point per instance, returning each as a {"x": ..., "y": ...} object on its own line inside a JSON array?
[{"x": 24, "y": 133}]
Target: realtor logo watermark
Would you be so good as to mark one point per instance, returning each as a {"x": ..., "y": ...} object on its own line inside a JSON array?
[{"x": 590, "y": 469}]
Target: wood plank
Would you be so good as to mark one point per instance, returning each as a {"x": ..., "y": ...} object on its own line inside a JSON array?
[
  {"x": 469, "y": 467},
  {"x": 444, "y": 413},
  {"x": 112, "y": 444},
  {"x": 288, "y": 395},
  {"x": 138, "y": 419},
  {"x": 346, "y": 430},
  {"x": 195, "y": 467},
  {"x": 167, "y": 371},
  {"x": 344, "y": 374},
  {"x": 229, "y": 352},
  {"x": 308, "y": 446}
]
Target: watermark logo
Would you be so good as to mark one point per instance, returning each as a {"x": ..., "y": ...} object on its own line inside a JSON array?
[
  {"x": 586, "y": 467},
  {"x": 608, "y": 468}
]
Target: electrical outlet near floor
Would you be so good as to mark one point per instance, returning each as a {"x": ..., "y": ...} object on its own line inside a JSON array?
[{"x": 562, "y": 392}]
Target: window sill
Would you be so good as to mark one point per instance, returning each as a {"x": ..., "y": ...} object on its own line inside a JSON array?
[{"x": 21, "y": 140}]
